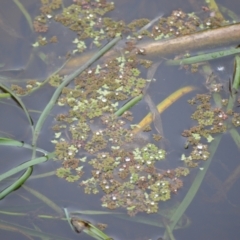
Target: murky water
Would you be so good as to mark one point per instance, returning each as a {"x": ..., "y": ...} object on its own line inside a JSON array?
[{"x": 213, "y": 212}]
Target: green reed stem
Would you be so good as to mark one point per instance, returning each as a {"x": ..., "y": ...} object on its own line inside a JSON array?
[
  {"x": 68, "y": 218},
  {"x": 16, "y": 184},
  {"x": 236, "y": 83},
  {"x": 69, "y": 78},
  {"x": 212, "y": 149},
  {"x": 194, "y": 188},
  {"x": 15, "y": 143},
  {"x": 44, "y": 199},
  {"x": 47, "y": 80},
  {"x": 25, "y": 13},
  {"x": 27, "y": 232},
  {"x": 19, "y": 101},
  {"x": 66, "y": 81},
  {"x": 204, "y": 57},
  {"x": 26, "y": 165},
  {"x": 128, "y": 105},
  {"x": 5, "y": 95}
]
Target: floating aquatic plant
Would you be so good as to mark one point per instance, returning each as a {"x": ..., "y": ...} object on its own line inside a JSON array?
[
  {"x": 211, "y": 120},
  {"x": 123, "y": 171}
]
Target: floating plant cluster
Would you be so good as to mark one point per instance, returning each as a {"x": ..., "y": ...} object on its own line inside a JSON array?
[
  {"x": 90, "y": 133},
  {"x": 125, "y": 167},
  {"x": 131, "y": 179},
  {"x": 87, "y": 19},
  {"x": 210, "y": 121}
]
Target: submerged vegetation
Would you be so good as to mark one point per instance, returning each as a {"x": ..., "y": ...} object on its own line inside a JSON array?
[{"x": 97, "y": 139}]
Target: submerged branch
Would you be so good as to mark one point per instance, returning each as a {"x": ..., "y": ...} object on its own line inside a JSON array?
[
  {"x": 200, "y": 40},
  {"x": 211, "y": 38}
]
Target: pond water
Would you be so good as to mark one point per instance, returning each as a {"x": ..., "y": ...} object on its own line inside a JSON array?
[{"x": 95, "y": 151}]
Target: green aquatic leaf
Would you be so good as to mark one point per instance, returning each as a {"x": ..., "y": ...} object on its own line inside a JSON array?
[
  {"x": 210, "y": 138},
  {"x": 196, "y": 136}
]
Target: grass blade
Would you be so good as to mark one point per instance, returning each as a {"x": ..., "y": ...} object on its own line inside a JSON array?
[
  {"x": 92, "y": 212},
  {"x": 5, "y": 95},
  {"x": 17, "y": 183},
  {"x": 15, "y": 143},
  {"x": 47, "y": 174},
  {"x": 26, "y": 165},
  {"x": 194, "y": 187},
  {"x": 67, "y": 80},
  {"x": 236, "y": 83},
  {"x": 213, "y": 147},
  {"x": 204, "y": 57},
  {"x": 128, "y": 105},
  {"x": 44, "y": 199},
  {"x": 19, "y": 101},
  {"x": 25, "y": 13},
  {"x": 28, "y": 231},
  {"x": 68, "y": 218}
]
